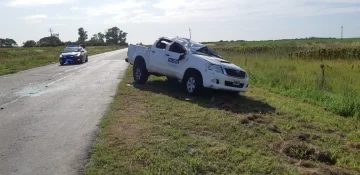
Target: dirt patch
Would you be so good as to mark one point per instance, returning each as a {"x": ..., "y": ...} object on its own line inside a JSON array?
[
  {"x": 311, "y": 126},
  {"x": 353, "y": 145},
  {"x": 252, "y": 118},
  {"x": 274, "y": 129},
  {"x": 244, "y": 121},
  {"x": 316, "y": 137},
  {"x": 307, "y": 152},
  {"x": 309, "y": 159},
  {"x": 307, "y": 164},
  {"x": 128, "y": 132},
  {"x": 305, "y": 137},
  {"x": 330, "y": 131},
  {"x": 323, "y": 170}
]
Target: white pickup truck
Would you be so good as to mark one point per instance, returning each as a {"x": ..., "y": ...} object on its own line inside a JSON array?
[{"x": 194, "y": 64}]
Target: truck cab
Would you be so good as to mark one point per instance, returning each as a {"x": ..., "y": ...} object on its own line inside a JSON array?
[{"x": 192, "y": 63}]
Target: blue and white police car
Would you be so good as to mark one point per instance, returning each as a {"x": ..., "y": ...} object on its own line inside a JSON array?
[{"x": 73, "y": 54}]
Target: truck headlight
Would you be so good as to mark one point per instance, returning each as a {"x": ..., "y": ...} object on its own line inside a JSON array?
[{"x": 216, "y": 68}]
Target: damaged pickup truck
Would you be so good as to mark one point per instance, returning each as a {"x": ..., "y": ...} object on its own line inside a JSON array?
[{"x": 192, "y": 63}]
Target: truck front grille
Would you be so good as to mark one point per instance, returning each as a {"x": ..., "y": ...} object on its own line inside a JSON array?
[
  {"x": 235, "y": 73},
  {"x": 231, "y": 84}
]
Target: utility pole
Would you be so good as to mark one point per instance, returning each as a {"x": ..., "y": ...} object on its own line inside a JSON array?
[
  {"x": 51, "y": 37},
  {"x": 342, "y": 32},
  {"x": 190, "y": 32}
]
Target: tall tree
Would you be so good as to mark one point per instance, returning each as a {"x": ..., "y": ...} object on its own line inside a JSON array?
[
  {"x": 101, "y": 36},
  {"x": 49, "y": 41},
  {"x": 82, "y": 35},
  {"x": 112, "y": 35},
  {"x": 8, "y": 42},
  {"x": 116, "y": 36},
  {"x": 94, "y": 38},
  {"x": 123, "y": 36},
  {"x": 30, "y": 43}
]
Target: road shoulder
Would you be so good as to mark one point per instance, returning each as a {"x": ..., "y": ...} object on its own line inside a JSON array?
[{"x": 157, "y": 128}]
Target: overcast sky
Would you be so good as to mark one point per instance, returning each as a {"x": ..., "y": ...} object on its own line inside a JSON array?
[{"x": 210, "y": 20}]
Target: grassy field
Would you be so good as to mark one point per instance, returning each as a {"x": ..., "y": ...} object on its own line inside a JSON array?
[
  {"x": 157, "y": 129},
  {"x": 325, "y": 74},
  {"x": 285, "y": 42},
  {"x": 13, "y": 60}
]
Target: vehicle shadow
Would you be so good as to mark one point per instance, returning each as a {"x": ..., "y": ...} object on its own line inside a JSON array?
[
  {"x": 73, "y": 64},
  {"x": 235, "y": 103}
]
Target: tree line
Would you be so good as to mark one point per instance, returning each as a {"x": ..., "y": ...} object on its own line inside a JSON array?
[
  {"x": 113, "y": 36},
  {"x": 8, "y": 42}
]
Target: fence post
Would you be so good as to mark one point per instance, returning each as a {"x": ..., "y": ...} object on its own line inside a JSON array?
[{"x": 322, "y": 66}]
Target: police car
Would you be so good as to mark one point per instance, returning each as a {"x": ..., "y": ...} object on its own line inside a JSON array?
[{"x": 73, "y": 54}]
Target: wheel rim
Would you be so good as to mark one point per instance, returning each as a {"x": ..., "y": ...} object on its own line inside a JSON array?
[
  {"x": 191, "y": 84},
  {"x": 138, "y": 74}
]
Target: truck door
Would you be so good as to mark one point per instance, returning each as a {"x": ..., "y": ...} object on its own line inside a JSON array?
[
  {"x": 175, "y": 57},
  {"x": 157, "y": 56}
]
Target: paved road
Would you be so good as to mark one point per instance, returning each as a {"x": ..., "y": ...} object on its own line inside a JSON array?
[{"x": 48, "y": 115}]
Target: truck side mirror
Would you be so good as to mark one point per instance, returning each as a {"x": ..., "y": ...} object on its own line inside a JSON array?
[{"x": 182, "y": 56}]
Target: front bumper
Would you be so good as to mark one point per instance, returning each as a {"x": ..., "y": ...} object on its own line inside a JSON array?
[
  {"x": 71, "y": 59},
  {"x": 219, "y": 81}
]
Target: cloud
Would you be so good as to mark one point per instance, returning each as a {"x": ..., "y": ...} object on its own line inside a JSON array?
[
  {"x": 166, "y": 11},
  {"x": 183, "y": 11},
  {"x": 116, "y": 8},
  {"x": 36, "y": 3},
  {"x": 34, "y": 18}
]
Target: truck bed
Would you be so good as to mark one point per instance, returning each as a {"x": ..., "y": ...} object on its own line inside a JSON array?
[{"x": 137, "y": 50}]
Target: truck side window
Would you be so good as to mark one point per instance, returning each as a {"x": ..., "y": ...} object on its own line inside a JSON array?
[
  {"x": 177, "y": 48},
  {"x": 162, "y": 44}
]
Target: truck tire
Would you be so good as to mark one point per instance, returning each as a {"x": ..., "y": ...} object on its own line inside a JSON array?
[
  {"x": 193, "y": 83},
  {"x": 140, "y": 72}
]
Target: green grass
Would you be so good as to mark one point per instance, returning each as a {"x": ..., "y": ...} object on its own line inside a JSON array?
[
  {"x": 13, "y": 60},
  {"x": 335, "y": 86},
  {"x": 284, "y": 42},
  {"x": 157, "y": 129}
]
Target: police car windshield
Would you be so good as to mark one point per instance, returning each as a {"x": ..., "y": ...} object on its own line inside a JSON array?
[{"x": 72, "y": 49}]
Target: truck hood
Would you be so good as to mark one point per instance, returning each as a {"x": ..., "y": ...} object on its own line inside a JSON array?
[{"x": 219, "y": 61}]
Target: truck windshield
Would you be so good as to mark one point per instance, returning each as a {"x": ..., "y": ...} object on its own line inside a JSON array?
[
  {"x": 207, "y": 51},
  {"x": 72, "y": 49}
]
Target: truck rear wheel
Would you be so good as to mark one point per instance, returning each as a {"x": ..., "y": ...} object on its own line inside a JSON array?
[
  {"x": 140, "y": 72},
  {"x": 193, "y": 82}
]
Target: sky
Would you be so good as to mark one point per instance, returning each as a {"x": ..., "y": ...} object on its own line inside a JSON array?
[{"x": 209, "y": 20}]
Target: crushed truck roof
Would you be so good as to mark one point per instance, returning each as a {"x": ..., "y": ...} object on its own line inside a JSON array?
[{"x": 187, "y": 43}]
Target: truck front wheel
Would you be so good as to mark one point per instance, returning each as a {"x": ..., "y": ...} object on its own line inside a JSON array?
[
  {"x": 193, "y": 83},
  {"x": 140, "y": 73}
]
